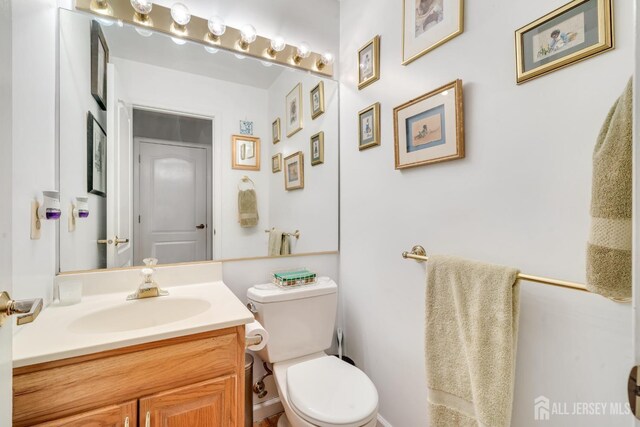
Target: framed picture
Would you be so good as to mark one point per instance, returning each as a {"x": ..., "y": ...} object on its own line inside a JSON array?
[
  {"x": 245, "y": 151},
  {"x": 317, "y": 100},
  {"x": 99, "y": 60},
  {"x": 317, "y": 149},
  {"x": 96, "y": 157},
  {"x": 369, "y": 63},
  {"x": 275, "y": 131},
  {"x": 246, "y": 127},
  {"x": 294, "y": 171},
  {"x": 276, "y": 163},
  {"x": 428, "y": 24},
  {"x": 369, "y": 127},
  {"x": 294, "y": 110},
  {"x": 572, "y": 33},
  {"x": 430, "y": 129}
]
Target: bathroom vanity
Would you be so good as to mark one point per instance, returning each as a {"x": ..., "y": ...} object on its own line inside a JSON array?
[{"x": 167, "y": 361}]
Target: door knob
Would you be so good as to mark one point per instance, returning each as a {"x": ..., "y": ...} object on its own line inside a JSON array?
[
  {"x": 27, "y": 310},
  {"x": 105, "y": 242},
  {"x": 119, "y": 241},
  {"x": 201, "y": 227}
]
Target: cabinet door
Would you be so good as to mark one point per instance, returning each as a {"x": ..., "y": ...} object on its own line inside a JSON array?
[
  {"x": 207, "y": 404},
  {"x": 111, "y": 416}
]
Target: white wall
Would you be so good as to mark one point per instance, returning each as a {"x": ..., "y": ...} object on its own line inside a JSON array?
[
  {"x": 520, "y": 197},
  {"x": 313, "y": 209},
  {"x": 34, "y": 142},
  {"x": 78, "y": 249}
]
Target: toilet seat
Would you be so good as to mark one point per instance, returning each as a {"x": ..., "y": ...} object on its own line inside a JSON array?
[{"x": 328, "y": 392}]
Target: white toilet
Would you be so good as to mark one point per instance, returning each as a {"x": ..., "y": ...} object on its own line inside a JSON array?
[{"x": 315, "y": 389}]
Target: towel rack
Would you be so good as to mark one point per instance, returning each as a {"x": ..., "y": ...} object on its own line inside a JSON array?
[
  {"x": 295, "y": 234},
  {"x": 247, "y": 180},
  {"x": 419, "y": 254}
]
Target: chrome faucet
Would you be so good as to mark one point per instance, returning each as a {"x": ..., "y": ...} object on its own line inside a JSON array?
[{"x": 148, "y": 288}]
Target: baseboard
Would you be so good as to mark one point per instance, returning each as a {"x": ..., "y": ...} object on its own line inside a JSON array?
[
  {"x": 382, "y": 422},
  {"x": 267, "y": 408}
]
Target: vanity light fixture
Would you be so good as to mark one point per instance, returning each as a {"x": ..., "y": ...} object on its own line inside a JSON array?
[
  {"x": 181, "y": 17},
  {"x": 143, "y": 9},
  {"x": 276, "y": 45},
  {"x": 326, "y": 59},
  {"x": 247, "y": 36},
  {"x": 302, "y": 51},
  {"x": 216, "y": 27},
  {"x": 49, "y": 209}
]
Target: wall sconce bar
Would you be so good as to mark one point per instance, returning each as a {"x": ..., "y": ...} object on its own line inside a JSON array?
[{"x": 197, "y": 30}]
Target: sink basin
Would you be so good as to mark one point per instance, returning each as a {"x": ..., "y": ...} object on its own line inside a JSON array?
[{"x": 139, "y": 314}]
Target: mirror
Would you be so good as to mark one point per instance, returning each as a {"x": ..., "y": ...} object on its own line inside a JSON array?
[{"x": 166, "y": 150}]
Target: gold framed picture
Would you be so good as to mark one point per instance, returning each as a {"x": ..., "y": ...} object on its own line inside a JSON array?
[
  {"x": 276, "y": 163},
  {"x": 317, "y": 149},
  {"x": 317, "y": 100},
  {"x": 369, "y": 127},
  {"x": 294, "y": 171},
  {"x": 245, "y": 152},
  {"x": 294, "y": 110},
  {"x": 576, "y": 31},
  {"x": 275, "y": 131},
  {"x": 428, "y": 24},
  {"x": 430, "y": 129},
  {"x": 369, "y": 63}
]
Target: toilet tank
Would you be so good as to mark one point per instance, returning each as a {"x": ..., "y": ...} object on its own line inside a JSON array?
[{"x": 300, "y": 321}]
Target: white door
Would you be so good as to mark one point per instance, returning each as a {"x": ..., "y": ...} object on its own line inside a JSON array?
[
  {"x": 172, "y": 203},
  {"x": 119, "y": 176}
]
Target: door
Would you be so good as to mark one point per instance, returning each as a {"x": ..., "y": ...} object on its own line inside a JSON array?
[
  {"x": 124, "y": 415},
  {"x": 119, "y": 176},
  {"x": 172, "y": 203},
  {"x": 208, "y": 404}
]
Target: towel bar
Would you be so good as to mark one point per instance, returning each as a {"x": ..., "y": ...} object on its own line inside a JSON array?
[
  {"x": 295, "y": 234},
  {"x": 419, "y": 254}
]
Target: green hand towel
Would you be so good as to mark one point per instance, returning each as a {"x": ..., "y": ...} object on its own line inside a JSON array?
[
  {"x": 609, "y": 248},
  {"x": 247, "y": 208}
]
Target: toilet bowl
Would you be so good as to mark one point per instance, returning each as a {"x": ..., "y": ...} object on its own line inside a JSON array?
[{"x": 316, "y": 390}]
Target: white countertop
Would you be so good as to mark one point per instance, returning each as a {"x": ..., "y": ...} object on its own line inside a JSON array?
[{"x": 58, "y": 333}]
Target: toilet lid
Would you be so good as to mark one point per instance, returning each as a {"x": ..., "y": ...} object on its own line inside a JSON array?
[{"x": 329, "y": 392}]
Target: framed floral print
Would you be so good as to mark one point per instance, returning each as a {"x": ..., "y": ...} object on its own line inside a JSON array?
[
  {"x": 369, "y": 127},
  {"x": 294, "y": 110},
  {"x": 275, "y": 131},
  {"x": 317, "y": 149},
  {"x": 96, "y": 157},
  {"x": 430, "y": 129},
  {"x": 245, "y": 151},
  {"x": 428, "y": 24},
  {"x": 576, "y": 31},
  {"x": 317, "y": 100},
  {"x": 294, "y": 171},
  {"x": 369, "y": 63},
  {"x": 99, "y": 61},
  {"x": 276, "y": 163}
]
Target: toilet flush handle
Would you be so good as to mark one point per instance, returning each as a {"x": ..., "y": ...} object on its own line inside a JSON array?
[{"x": 252, "y": 308}]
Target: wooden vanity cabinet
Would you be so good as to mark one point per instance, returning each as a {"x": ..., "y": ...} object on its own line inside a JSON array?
[{"x": 190, "y": 381}]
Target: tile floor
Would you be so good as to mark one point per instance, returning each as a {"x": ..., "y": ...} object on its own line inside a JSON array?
[{"x": 268, "y": 422}]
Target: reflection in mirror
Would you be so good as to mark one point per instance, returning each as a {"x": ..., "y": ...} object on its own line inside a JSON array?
[{"x": 188, "y": 159}]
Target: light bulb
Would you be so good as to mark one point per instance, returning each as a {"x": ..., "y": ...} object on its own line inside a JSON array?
[
  {"x": 211, "y": 49},
  {"x": 247, "y": 35},
  {"x": 326, "y": 59},
  {"x": 144, "y": 32},
  {"x": 303, "y": 51},
  {"x": 178, "y": 41},
  {"x": 277, "y": 45},
  {"x": 216, "y": 26},
  {"x": 180, "y": 14},
  {"x": 143, "y": 7}
]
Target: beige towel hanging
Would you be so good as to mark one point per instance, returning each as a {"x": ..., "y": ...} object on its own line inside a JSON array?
[
  {"x": 248, "y": 208},
  {"x": 471, "y": 336}
]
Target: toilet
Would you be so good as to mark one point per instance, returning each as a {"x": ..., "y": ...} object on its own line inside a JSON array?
[{"x": 315, "y": 389}]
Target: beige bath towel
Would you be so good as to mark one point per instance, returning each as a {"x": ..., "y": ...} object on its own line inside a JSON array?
[
  {"x": 471, "y": 336},
  {"x": 278, "y": 243},
  {"x": 247, "y": 208},
  {"x": 609, "y": 248}
]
